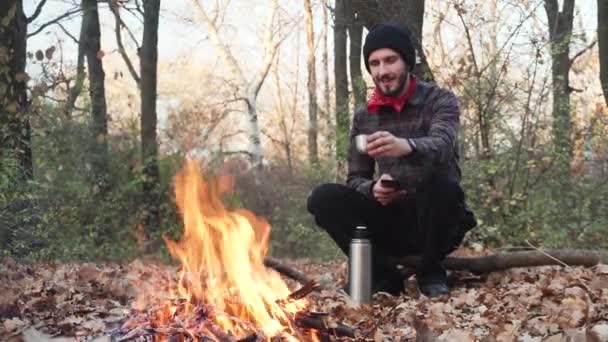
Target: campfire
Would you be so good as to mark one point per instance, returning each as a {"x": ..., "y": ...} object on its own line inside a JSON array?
[{"x": 224, "y": 292}]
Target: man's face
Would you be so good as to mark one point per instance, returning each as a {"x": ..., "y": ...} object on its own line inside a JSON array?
[{"x": 388, "y": 71}]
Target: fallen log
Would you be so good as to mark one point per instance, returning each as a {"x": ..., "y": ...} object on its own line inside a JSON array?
[
  {"x": 286, "y": 270},
  {"x": 504, "y": 261}
]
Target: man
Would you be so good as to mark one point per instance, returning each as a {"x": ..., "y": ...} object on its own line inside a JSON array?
[{"x": 412, "y": 130}]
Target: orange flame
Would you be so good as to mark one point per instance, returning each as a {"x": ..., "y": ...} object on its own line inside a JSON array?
[{"x": 222, "y": 255}]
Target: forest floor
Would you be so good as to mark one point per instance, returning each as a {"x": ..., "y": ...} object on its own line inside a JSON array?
[{"x": 86, "y": 301}]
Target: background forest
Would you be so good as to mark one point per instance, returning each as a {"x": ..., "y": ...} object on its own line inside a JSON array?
[{"x": 101, "y": 102}]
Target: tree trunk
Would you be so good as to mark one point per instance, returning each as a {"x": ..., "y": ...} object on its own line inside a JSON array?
[
  {"x": 15, "y": 130},
  {"x": 92, "y": 50},
  {"x": 77, "y": 88},
  {"x": 560, "y": 34},
  {"x": 313, "y": 126},
  {"x": 355, "y": 33},
  {"x": 341, "y": 79},
  {"x": 257, "y": 154},
  {"x": 602, "y": 37},
  {"x": 149, "y": 147},
  {"x": 325, "y": 63},
  {"x": 409, "y": 12}
]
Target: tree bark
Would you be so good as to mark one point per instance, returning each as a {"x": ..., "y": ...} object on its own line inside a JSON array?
[
  {"x": 149, "y": 147},
  {"x": 325, "y": 64},
  {"x": 341, "y": 79},
  {"x": 355, "y": 34},
  {"x": 560, "y": 34},
  {"x": 15, "y": 130},
  {"x": 602, "y": 37},
  {"x": 92, "y": 50},
  {"x": 313, "y": 125}
]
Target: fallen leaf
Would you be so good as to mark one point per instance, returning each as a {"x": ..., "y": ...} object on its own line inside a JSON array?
[{"x": 13, "y": 324}]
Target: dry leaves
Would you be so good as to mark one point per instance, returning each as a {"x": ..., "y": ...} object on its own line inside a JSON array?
[{"x": 73, "y": 302}]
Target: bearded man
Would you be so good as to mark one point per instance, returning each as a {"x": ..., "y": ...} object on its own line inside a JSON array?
[{"x": 415, "y": 204}]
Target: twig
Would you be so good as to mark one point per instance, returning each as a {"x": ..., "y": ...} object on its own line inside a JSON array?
[
  {"x": 54, "y": 21},
  {"x": 547, "y": 255},
  {"x": 304, "y": 290},
  {"x": 380, "y": 321}
]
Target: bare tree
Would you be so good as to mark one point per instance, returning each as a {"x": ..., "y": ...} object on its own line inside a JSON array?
[
  {"x": 313, "y": 126},
  {"x": 248, "y": 88},
  {"x": 15, "y": 131},
  {"x": 149, "y": 145}
]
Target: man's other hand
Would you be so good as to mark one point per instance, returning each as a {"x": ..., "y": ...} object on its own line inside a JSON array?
[{"x": 386, "y": 195}]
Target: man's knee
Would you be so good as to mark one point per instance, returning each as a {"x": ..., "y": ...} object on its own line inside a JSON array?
[
  {"x": 442, "y": 189},
  {"x": 321, "y": 196}
]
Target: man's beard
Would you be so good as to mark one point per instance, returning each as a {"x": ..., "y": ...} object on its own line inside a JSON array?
[{"x": 401, "y": 80}]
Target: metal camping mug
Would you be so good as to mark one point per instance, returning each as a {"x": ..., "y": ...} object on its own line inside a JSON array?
[{"x": 361, "y": 143}]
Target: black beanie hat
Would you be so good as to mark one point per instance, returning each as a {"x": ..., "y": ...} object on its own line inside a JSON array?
[{"x": 393, "y": 36}]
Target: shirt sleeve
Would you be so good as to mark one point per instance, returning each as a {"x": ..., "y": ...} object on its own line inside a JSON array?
[
  {"x": 439, "y": 144},
  {"x": 360, "y": 166}
]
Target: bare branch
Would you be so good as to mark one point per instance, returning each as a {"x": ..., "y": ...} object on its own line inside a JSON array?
[
  {"x": 270, "y": 49},
  {"x": 36, "y": 12},
  {"x": 54, "y": 21},
  {"x": 121, "y": 49},
  {"x": 223, "y": 49},
  {"x": 580, "y": 53},
  {"x": 68, "y": 33}
]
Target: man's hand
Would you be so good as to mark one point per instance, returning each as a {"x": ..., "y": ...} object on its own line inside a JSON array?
[
  {"x": 386, "y": 195},
  {"x": 384, "y": 144}
]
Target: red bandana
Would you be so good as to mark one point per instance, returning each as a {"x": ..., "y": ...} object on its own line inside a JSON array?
[{"x": 378, "y": 99}]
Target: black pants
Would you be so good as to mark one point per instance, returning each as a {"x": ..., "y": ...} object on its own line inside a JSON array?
[{"x": 430, "y": 223}]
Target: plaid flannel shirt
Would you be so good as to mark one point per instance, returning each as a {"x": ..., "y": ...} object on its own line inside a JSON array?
[{"x": 430, "y": 119}]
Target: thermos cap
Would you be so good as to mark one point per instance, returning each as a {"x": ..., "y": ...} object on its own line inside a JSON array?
[{"x": 360, "y": 232}]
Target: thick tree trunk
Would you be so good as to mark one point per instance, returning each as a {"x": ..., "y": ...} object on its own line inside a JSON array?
[
  {"x": 313, "y": 126},
  {"x": 341, "y": 79},
  {"x": 409, "y": 12},
  {"x": 560, "y": 33},
  {"x": 149, "y": 147},
  {"x": 15, "y": 130},
  {"x": 355, "y": 33},
  {"x": 602, "y": 37},
  {"x": 92, "y": 50}
]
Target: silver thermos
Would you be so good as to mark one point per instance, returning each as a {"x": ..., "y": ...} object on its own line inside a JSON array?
[{"x": 360, "y": 267}]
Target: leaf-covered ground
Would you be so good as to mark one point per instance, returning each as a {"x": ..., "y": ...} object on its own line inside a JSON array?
[{"x": 67, "y": 302}]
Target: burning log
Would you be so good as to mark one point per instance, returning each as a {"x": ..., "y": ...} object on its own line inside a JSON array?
[
  {"x": 286, "y": 270},
  {"x": 320, "y": 322}
]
